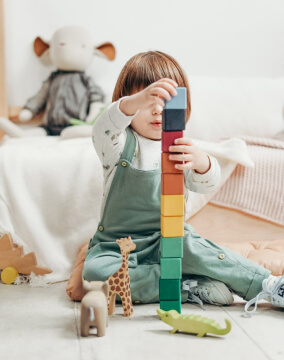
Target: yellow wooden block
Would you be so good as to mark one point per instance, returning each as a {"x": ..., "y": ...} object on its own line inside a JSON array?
[
  {"x": 172, "y": 205},
  {"x": 172, "y": 226}
]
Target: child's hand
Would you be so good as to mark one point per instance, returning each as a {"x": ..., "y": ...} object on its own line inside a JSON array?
[
  {"x": 149, "y": 97},
  {"x": 191, "y": 155}
]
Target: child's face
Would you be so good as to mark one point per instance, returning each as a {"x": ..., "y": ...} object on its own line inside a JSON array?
[{"x": 148, "y": 122}]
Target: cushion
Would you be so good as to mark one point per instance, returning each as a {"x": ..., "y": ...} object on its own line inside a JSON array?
[
  {"x": 269, "y": 254},
  {"x": 232, "y": 107}
]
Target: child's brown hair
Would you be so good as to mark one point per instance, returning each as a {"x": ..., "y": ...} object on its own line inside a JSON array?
[{"x": 145, "y": 68}]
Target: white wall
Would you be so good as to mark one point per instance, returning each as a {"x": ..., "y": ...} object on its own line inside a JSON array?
[{"x": 241, "y": 38}]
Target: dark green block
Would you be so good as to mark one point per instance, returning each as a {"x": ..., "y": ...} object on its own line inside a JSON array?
[
  {"x": 170, "y": 268},
  {"x": 170, "y": 305},
  {"x": 169, "y": 289},
  {"x": 172, "y": 247}
]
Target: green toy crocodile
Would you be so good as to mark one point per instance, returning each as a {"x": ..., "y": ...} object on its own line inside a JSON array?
[{"x": 194, "y": 324}]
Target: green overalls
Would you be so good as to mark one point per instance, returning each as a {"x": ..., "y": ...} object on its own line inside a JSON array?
[{"x": 133, "y": 209}]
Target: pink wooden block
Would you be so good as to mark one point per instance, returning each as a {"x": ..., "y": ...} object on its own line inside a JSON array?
[{"x": 168, "y": 138}]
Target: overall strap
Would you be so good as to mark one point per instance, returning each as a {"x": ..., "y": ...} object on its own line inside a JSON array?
[{"x": 129, "y": 147}]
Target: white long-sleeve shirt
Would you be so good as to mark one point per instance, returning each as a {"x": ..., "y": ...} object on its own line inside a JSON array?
[{"x": 109, "y": 137}]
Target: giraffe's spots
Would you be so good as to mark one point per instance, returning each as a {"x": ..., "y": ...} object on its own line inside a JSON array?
[
  {"x": 115, "y": 275},
  {"x": 121, "y": 294},
  {"x": 116, "y": 281},
  {"x": 128, "y": 300},
  {"x": 120, "y": 270},
  {"x": 123, "y": 299},
  {"x": 128, "y": 307},
  {"x": 123, "y": 289},
  {"x": 112, "y": 288},
  {"x": 110, "y": 282},
  {"x": 123, "y": 265},
  {"x": 128, "y": 293},
  {"x": 121, "y": 275},
  {"x": 117, "y": 288},
  {"x": 121, "y": 284}
]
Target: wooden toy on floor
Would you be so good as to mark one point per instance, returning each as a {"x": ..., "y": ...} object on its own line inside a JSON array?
[
  {"x": 119, "y": 283},
  {"x": 172, "y": 205},
  {"x": 13, "y": 262},
  {"x": 194, "y": 324},
  {"x": 94, "y": 307}
]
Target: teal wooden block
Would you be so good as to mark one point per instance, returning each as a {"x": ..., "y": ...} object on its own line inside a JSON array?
[
  {"x": 171, "y": 247},
  {"x": 169, "y": 289},
  {"x": 170, "y": 268},
  {"x": 167, "y": 305},
  {"x": 178, "y": 101}
]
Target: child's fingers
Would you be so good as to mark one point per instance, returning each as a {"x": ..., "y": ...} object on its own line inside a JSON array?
[
  {"x": 170, "y": 81},
  {"x": 183, "y": 141},
  {"x": 181, "y": 157},
  {"x": 168, "y": 86},
  {"x": 185, "y": 166},
  {"x": 180, "y": 149},
  {"x": 160, "y": 92},
  {"x": 159, "y": 102}
]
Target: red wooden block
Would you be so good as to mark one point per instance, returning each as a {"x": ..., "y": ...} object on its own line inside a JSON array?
[
  {"x": 172, "y": 184},
  {"x": 168, "y": 166},
  {"x": 168, "y": 139}
]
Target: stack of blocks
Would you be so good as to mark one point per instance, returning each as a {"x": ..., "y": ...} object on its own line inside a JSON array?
[{"x": 172, "y": 205}]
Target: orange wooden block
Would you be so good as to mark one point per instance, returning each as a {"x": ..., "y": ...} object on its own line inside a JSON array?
[
  {"x": 172, "y": 184},
  {"x": 168, "y": 166}
]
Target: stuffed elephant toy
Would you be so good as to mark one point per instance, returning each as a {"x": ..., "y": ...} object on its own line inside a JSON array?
[
  {"x": 68, "y": 93},
  {"x": 94, "y": 308}
]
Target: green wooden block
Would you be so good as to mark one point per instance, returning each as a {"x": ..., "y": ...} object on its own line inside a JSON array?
[
  {"x": 170, "y": 268},
  {"x": 169, "y": 289},
  {"x": 167, "y": 305},
  {"x": 172, "y": 247}
]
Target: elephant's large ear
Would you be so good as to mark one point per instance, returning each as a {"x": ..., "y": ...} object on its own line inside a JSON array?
[
  {"x": 106, "y": 50},
  {"x": 86, "y": 285},
  {"x": 41, "y": 49},
  {"x": 105, "y": 288}
]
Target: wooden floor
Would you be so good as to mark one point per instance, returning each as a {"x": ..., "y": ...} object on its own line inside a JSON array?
[
  {"x": 43, "y": 323},
  {"x": 222, "y": 224}
]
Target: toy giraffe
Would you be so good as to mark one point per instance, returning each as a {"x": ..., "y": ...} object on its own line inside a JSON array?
[{"x": 119, "y": 283}]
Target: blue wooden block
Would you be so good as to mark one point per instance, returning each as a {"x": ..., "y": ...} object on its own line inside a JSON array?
[
  {"x": 178, "y": 101},
  {"x": 173, "y": 119}
]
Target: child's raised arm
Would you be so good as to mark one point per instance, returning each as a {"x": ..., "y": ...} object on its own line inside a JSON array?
[
  {"x": 152, "y": 95},
  {"x": 109, "y": 136}
]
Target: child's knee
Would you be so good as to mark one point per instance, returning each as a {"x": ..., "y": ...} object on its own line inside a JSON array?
[{"x": 100, "y": 269}]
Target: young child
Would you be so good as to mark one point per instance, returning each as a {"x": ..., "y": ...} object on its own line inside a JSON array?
[{"x": 127, "y": 139}]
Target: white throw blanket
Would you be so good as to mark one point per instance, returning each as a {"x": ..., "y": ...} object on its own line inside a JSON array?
[{"x": 51, "y": 189}]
